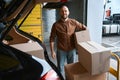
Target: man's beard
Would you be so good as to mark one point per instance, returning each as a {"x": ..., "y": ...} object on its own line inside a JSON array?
[{"x": 64, "y": 17}]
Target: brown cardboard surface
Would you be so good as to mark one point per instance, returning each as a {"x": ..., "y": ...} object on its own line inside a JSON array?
[
  {"x": 76, "y": 71},
  {"x": 82, "y": 36},
  {"x": 94, "y": 57},
  {"x": 31, "y": 48}
]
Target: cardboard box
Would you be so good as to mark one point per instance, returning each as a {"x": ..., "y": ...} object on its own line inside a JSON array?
[
  {"x": 32, "y": 48},
  {"x": 94, "y": 57},
  {"x": 76, "y": 71},
  {"x": 82, "y": 36}
]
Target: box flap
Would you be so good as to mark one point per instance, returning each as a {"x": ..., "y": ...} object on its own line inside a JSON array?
[{"x": 93, "y": 47}]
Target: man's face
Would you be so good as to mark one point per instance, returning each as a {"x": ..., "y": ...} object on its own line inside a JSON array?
[{"x": 64, "y": 12}]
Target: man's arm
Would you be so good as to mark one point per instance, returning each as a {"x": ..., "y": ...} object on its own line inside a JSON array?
[
  {"x": 52, "y": 38},
  {"x": 80, "y": 26},
  {"x": 53, "y": 54}
]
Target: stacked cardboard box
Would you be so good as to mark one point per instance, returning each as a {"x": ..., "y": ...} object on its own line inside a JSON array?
[
  {"x": 76, "y": 71},
  {"x": 82, "y": 36},
  {"x": 94, "y": 58}
]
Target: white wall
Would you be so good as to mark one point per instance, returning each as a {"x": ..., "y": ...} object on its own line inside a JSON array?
[{"x": 94, "y": 19}]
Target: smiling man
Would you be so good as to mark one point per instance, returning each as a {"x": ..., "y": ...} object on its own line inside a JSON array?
[{"x": 64, "y": 30}]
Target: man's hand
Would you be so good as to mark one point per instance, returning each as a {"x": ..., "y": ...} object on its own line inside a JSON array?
[{"x": 53, "y": 54}]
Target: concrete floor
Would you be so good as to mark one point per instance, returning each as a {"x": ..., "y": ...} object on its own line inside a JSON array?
[{"x": 112, "y": 42}]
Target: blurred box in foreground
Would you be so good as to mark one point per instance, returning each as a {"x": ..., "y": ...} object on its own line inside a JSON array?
[{"x": 32, "y": 48}]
